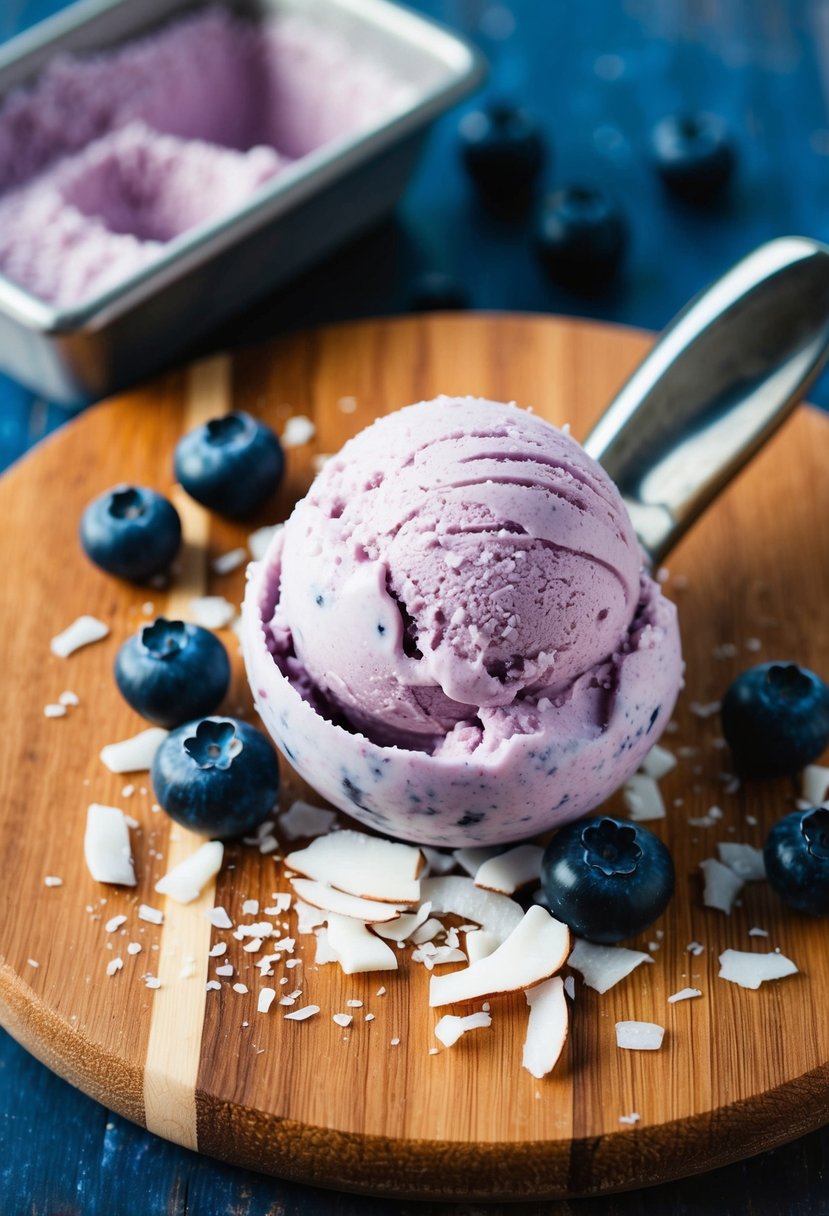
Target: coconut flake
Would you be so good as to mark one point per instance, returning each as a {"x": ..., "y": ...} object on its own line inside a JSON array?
[
  {"x": 211, "y": 611},
  {"x": 302, "y": 820},
  {"x": 706, "y": 709},
  {"x": 684, "y": 994},
  {"x": 365, "y": 866},
  {"x": 755, "y": 932},
  {"x": 281, "y": 903},
  {"x": 212, "y": 986},
  {"x": 427, "y": 932},
  {"x": 695, "y": 948},
  {"x": 227, "y": 562},
  {"x": 639, "y": 1036},
  {"x": 535, "y": 949},
  {"x": 135, "y": 754},
  {"x": 750, "y": 970},
  {"x": 185, "y": 882},
  {"x": 107, "y": 846},
  {"x": 746, "y": 861},
  {"x": 602, "y": 967},
  {"x": 814, "y": 787},
  {"x": 115, "y": 922},
  {"x": 722, "y": 885},
  {"x": 265, "y": 999},
  {"x": 342, "y": 1019},
  {"x": 52, "y": 880},
  {"x": 241, "y": 989},
  {"x": 450, "y": 1027},
  {"x": 642, "y": 798},
  {"x": 225, "y": 970},
  {"x": 54, "y": 711},
  {"x": 479, "y": 943},
  {"x": 508, "y": 872},
  {"x": 152, "y": 981},
  {"x": 498, "y": 914},
  {"x": 401, "y": 929},
  {"x": 432, "y": 955},
  {"x": 324, "y": 954},
  {"x": 153, "y": 916},
  {"x": 133, "y": 947},
  {"x": 301, "y": 1015},
  {"x": 472, "y": 859},
  {"x": 82, "y": 632},
  {"x": 69, "y": 698},
  {"x": 630, "y": 1119},
  {"x": 259, "y": 540},
  {"x": 298, "y": 430},
  {"x": 114, "y": 965},
  {"x": 308, "y": 917},
  {"x": 546, "y": 1026},
  {"x": 330, "y": 900},
  {"x": 356, "y": 948},
  {"x": 219, "y": 918},
  {"x": 658, "y": 762}
]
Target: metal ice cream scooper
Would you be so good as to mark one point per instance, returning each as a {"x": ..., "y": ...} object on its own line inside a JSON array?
[{"x": 721, "y": 379}]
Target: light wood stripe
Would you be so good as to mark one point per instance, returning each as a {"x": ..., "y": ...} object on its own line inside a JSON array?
[{"x": 174, "y": 1046}]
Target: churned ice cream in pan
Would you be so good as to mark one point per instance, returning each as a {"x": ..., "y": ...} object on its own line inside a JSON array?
[
  {"x": 107, "y": 157},
  {"x": 453, "y": 638}
]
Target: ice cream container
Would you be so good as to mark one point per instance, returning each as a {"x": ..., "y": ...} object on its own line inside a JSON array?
[{"x": 74, "y": 351}]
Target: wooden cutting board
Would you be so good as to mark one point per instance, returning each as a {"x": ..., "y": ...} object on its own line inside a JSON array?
[{"x": 368, "y": 1108}]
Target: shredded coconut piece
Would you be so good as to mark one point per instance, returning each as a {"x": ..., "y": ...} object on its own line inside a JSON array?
[
  {"x": 82, "y": 632},
  {"x": 472, "y": 859},
  {"x": 219, "y": 918},
  {"x": 225, "y": 970},
  {"x": 602, "y": 967},
  {"x": 450, "y": 1028},
  {"x": 658, "y": 762},
  {"x": 750, "y": 970},
  {"x": 241, "y": 989},
  {"x": 224, "y": 563},
  {"x": 54, "y": 711},
  {"x": 630, "y": 1119},
  {"x": 218, "y": 950},
  {"x": 546, "y": 1026},
  {"x": 69, "y": 698},
  {"x": 642, "y": 798},
  {"x": 135, "y": 754},
  {"x": 300, "y": 1015},
  {"x": 115, "y": 922},
  {"x": 695, "y": 948},
  {"x": 746, "y": 861},
  {"x": 508, "y": 872},
  {"x": 684, "y": 994},
  {"x": 298, "y": 431},
  {"x": 186, "y": 881},
  {"x": 303, "y": 820},
  {"x": 52, "y": 880},
  {"x": 114, "y": 965},
  {"x": 250, "y": 907},
  {"x": 722, "y": 885},
  {"x": 755, "y": 932},
  {"x": 639, "y": 1036},
  {"x": 152, "y": 982},
  {"x": 133, "y": 947},
  {"x": 33, "y": 962},
  {"x": 265, "y": 999},
  {"x": 211, "y": 611},
  {"x": 342, "y": 1019},
  {"x": 212, "y": 986},
  {"x": 153, "y": 916}
]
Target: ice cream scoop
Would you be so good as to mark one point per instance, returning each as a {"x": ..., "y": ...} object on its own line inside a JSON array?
[{"x": 455, "y": 638}]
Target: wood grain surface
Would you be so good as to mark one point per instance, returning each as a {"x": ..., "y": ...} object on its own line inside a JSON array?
[{"x": 739, "y": 1071}]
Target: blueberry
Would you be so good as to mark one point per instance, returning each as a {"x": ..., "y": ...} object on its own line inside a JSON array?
[
  {"x": 775, "y": 718},
  {"x": 434, "y": 291},
  {"x": 797, "y": 860},
  {"x": 580, "y": 238},
  {"x": 606, "y": 879},
  {"x": 503, "y": 151},
  {"x": 216, "y": 776},
  {"x": 171, "y": 672},
  {"x": 694, "y": 156},
  {"x": 231, "y": 465},
  {"x": 131, "y": 532}
]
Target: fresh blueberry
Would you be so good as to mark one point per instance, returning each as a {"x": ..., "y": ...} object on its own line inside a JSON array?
[
  {"x": 580, "y": 238},
  {"x": 606, "y": 879},
  {"x": 797, "y": 860},
  {"x": 503, "y": 151},
  {"x": 131, "y": 532},
  {"x": 775, "y": 718},
  {"x": 171, "y": 672},
  {"x": 694, "y": 156},
  {"x": 216, "y": 776},
  {"x": 231, "y": 465},
  {"x": 434, "y": 291}
]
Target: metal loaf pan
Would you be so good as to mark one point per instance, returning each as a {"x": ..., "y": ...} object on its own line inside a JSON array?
[{"x": 74, "y": 355}]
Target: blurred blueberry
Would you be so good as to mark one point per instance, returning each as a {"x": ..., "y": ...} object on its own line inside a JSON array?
[
  {"x": 694, "y": 156},
  {"x": 435, "y": 291},
  {"x": 580, "y": 238},
  {"x": 503, "y": 151}
]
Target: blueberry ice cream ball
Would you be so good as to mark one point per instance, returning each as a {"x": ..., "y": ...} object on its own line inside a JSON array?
[
  {"x": 231, "y": 465},
  {"x": 131, "y": 532},
  {"x": 797, "y": 860},
  {"x": 217, "y": 776},
  {"x": 775, "y": 718},
  {"x": 171, "y": 672}
]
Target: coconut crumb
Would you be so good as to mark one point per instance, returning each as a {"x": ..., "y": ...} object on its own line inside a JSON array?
[
  {"x": 630, "y": 1119},
  {"x": 342, "y": 1019},
  {"x": 219, "y": 918},
  {"x": 684, "y": 994},
  {"x": 300, "y": 1015},
  {"x": 82, "y": 632},
  {"x": 152, "y": 916},
  {"x": 225, "y": 563},
  {"x": 52, "y": 880},
  {"x": 639, "y": 1036}
]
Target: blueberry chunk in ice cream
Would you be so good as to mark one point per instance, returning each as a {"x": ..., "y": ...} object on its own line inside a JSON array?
[{"x": 453, "y": 637}]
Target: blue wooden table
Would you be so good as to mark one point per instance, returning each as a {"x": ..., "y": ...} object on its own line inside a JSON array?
[{"x": 598, "y": 75}]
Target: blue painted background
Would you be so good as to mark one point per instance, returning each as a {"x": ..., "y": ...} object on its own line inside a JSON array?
[{"x": 598, "y": 74}]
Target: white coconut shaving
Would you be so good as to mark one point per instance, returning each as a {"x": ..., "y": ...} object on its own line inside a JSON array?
[
  {"x": 186, "y": 881},
  {"x": 115, "y": 922},
  {"x": 211, "y": 611},
  {"x": 814, "y": 784},
  {"x": 302, "y": 820},
  {"x": 320, "y": 895},
  {"x": 225, "y": 563},
  {"x": 365, "y": 866},
  {"x": 642, "y": 798},
  {"x": 54, "y": 711},
  {"x": 631, "y": 1120},
  {"x": 450, "y": 1028},
  {"x": 658, "y": 762},
  {"x": 498, "y": 914},
  {"x": 106, "y": 845},
  {"x": 342, "y": 1019},
  {"x": 114, "y": 965},
  {"x": 684, "y": 994},
  {"x": 302, "y": 1015},
  {"x": 546, "y": 1026},
  {"x": 639, "y": 1036},
  {"x": 401, "y": 929},
  {"x": 219, "y": 918},
  {"x": 722, "y": 885},
  {"x": 744, "y": 859},
  {"x": 298, "y": 430},
  {"x": 509, "y": 872},
  {"x": 480, "y": 944},
  {"x": 82, "y": 632},
  {"x": 135, "y": 754},
  {"x": 265, "y": 999},
  {"x": 308, "y": 917},
  {"x": 750, "y": 970},
  {"x": 153, "y": 916},
  {"x": 602, "y": 967},
  {"x": 356, "y": 949}
]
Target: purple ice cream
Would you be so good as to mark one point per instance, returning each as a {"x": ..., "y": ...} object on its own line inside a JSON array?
[
  {"x": 107, "y": 157},
  {"x": 453, "y": 638}
]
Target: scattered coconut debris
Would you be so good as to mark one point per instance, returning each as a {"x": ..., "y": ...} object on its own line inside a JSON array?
[
  {"x": 213, "y": 986},
  {"x": 115, "y": 922},
  {"x": 211, "y": 611},
  {"x": 226, "y": 970},
  {"x": 546, "y": 1027},
  {"x": 450, "y": 1028},
  {"x": 133, "y": 947},
  {"x": 354, "y": 1004},
  {"x": 342, "y": 1019},
  {"x": 684, "y": 994},
  {"x": 52, "y": 880},
  {"x": 250, "y": 907},
  {"x": 750, "y": 970},
  {"x": 755, "y": 932},
  {"x": 510, "y": 871},
  {"x": 534, "y": 951},
  {"x": 726, "y": 650},
  {"x": 298, "y": 431},
  {"x": 814, "y": 784},
  {"x": 356, "y": 949},
  {"x": 712, "y": 816},
  {"x": 658, "y": 762},
  {"x": 225, "y": 563},
  {"x": 705, "y": 709},
  {"x": 241, "y": 989},
  {"x": 498, "y": 914},
  {"x": 365, "y": 866},
  {"x": 602, "y": 967},
  {"x": 152, "y": 981},
  {"x": 33, "y": 963},
  {"x": 107, "y": 847},
  {"x": 404, "y": 926},
  {"x": 722, "y": 885},
  {"x": 82, "y": 632},
  {"x": 186, "y": 881},
  {"x": 54, "y": 711},
  {"x": 472, "y": 859},
  {"x": 642, "y": 798},
  {"x": 302, "y": 820},
  {"x": 114, "y": 965},
  {"x": 639, "y": 1036},
  {"x": 135, "y": 754},
  {"x": 265, "y": 999},
  {"x": 630, "y": 1119},
  {"x": 69, "y": 698},
  {"x": 746, "y": 861},
  {"x": 153, "y": 916},
  {"x": 281, "y": 903},
  {"x": 309, "y": 918},
  {"x": 218, "y": 950},
  {"x": 431, "y": 955},
  {"x": 219, "y": 918},
  {"x": 320, "y": 895},
  {"x": 259, "y": 541},
  {"x": 301, "y": 1015}
]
